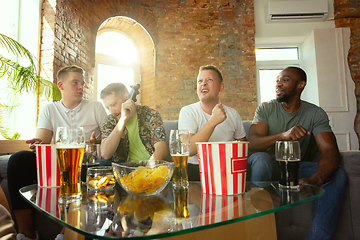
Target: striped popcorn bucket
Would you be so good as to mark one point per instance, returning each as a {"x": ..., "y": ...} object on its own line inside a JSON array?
[
  {"x": 47, "y": 167},
  {"x": 222, "y": 167},
  {"x": 47, "y": 199},
  {"x": 216, "y": 209}
]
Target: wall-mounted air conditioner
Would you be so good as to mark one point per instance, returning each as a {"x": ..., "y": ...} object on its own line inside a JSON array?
[{"x": 295, "y": 11}]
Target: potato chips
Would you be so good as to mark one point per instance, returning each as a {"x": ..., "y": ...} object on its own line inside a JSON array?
[
  {"x": 145, "y": 180},
  {"x": 142, "y": 207},
  {"x": 101, "y": 182}
]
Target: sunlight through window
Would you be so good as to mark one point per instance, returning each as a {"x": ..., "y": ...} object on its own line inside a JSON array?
[
  {"x": 270, "y": 54},
  {"x": 117, "y": 60},
  {"x": 117, "y": 45}
]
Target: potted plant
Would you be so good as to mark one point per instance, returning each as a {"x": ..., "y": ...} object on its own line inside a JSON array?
[{"x": 21, "y": 79}]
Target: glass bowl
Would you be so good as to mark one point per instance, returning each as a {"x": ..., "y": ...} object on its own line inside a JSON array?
[
  {"x": 100, "y": 178},
  {"x": 145, "y": 178}
]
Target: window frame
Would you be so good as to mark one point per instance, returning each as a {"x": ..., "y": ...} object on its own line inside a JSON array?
[{"x": 113, "y": 61}]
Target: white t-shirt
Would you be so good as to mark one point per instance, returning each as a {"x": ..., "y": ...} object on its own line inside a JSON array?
[
  {"x": 88, "y": 114},
  {"x": 193, "y": 118}
]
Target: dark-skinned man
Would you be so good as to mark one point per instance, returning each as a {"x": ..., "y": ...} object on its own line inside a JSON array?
[{"x": 289, "y": 118}]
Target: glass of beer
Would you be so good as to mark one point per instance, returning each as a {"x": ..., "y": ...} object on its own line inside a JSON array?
[
  {"x": 70, "y": 146},
  {"x": 181, "y": 206},
  {"x": 288, "y": 157},
  {"x": 179, "y": 145}
]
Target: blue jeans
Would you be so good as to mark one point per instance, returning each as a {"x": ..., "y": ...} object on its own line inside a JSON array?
[{"x": 326, "y": 209}]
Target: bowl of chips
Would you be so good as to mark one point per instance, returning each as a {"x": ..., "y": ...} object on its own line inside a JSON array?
[
  {"x": 100, "y": 178},
  {"x": 145, "y": 177}
]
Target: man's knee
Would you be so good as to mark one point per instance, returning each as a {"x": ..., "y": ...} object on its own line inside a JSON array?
[
  {"x": 20, "y": 163},
  {"x": 261, "y": 166},
  {"x": 260, "y": 159},
  {"x": 339, "y": 177}
]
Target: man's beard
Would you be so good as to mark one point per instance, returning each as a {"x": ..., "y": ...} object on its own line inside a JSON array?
[{"x": 283, "y": 98}]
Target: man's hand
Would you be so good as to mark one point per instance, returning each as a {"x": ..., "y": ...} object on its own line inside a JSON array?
[
  {"x": 295, "y": 133},
  {"x": 128, "y": 110},
  {"x": 312, "y": 181},
  {"x": 218, "y": 114},
  {"x": 32, "y": 143},
  {"x": 92, "y": 139}
]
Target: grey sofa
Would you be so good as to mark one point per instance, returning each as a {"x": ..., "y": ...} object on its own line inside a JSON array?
[
  {"x": 47, "y": 228},
  {"x": 293, "y": 223}
]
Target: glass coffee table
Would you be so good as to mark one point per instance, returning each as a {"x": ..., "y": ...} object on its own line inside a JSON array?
[{"x": 113, "y": 213}]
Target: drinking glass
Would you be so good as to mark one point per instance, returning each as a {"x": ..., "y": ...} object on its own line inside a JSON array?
[
  {"x": 70, "y": 146},
  {"x": 92, "y": 156},
  {"x": 288, "y": 157},
  {"x": 179, "y": 145},
  {"x": 181, "y": 205}
]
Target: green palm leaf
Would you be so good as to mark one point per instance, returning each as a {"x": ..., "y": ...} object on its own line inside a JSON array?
[
  {"x": 16, "y": 48},
  {"x": 5, "y": 131},
  {"x": 22, "y": 79}
]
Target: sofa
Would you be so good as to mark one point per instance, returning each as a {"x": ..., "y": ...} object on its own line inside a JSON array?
[
  {"x": 47, "y": 228},
  {"x": 293, "y": 223}
]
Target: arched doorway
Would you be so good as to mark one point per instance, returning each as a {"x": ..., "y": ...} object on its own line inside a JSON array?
[{"x": 125, "y": 52}]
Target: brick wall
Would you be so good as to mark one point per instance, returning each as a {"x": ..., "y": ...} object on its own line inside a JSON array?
[
  {"x": 66, "y": 39},
  {"x": 184, "y": 34},
  {"x": 347, "y": 14}
]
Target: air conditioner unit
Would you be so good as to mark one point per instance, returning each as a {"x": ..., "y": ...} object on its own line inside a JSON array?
[{"x": 295, "y": 11}]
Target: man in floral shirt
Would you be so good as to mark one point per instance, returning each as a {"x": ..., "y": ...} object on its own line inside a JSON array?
[{"x": 131, "y": 132}]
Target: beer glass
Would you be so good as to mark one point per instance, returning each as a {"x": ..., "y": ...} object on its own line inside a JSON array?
[
  {"x": 70, "y": 146},
  {"x": 181, "y": 206},
  {"x": 92, "y": 156},
  {"x": 179, "y": 145},
  {"x": 288, "y": 156}
]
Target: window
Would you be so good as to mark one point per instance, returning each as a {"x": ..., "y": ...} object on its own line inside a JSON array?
[
  {"x": 117, "y": 60},
  {"x": 269, "y": 63},
  {"x": 20, "y": 21}
]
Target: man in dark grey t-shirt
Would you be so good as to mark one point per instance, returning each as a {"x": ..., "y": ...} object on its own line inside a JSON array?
[{"x": 289, "y": 118}]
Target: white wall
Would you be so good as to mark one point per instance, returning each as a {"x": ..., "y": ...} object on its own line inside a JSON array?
[
  {"x": 308, "y": 62},
  {"x": 323, "y": 53},
  {"x": 293, "y": 34},
  {"x": 270, "y": 34}
]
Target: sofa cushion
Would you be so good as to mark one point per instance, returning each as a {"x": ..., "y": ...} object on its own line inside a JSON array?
[{"x": 350, "y": 162}]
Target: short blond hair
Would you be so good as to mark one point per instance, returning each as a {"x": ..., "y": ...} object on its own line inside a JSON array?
[
  {"x": 215, "y": 69},
  {"x": 62, "y": 73}
]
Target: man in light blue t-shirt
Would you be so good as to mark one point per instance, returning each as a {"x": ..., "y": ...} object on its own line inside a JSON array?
[{"x": 289, "y": 118}]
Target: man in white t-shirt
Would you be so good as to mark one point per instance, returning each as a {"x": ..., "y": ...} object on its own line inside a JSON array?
[
  {"x": 71, "y": 111},
  {"x": 209, "y": 120}
]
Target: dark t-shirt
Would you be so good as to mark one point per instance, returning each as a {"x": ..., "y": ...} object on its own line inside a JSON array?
[{"x": 309, "y": 116}]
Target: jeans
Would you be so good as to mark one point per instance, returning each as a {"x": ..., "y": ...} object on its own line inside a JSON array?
[{"x": 326, "y": 209}]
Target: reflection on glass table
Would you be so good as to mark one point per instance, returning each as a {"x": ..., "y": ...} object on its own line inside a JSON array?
[{"x": 114, "y": 213}]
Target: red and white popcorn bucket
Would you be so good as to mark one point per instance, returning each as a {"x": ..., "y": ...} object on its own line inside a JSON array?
[
  {"x": 47, "y": 199},
  {"x": 215, "y": 208},
  {"x": 47, "y": 166},
  {"x": 222, "y": 167}
]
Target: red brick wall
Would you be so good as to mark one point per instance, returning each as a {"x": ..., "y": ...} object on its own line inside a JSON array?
[
  {"x": 347, "y": 14},
  {"x": 186, "y": 35}
]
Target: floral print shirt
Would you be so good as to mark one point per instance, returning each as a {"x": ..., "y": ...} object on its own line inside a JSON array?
[{"x": 151, "y": 131}]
